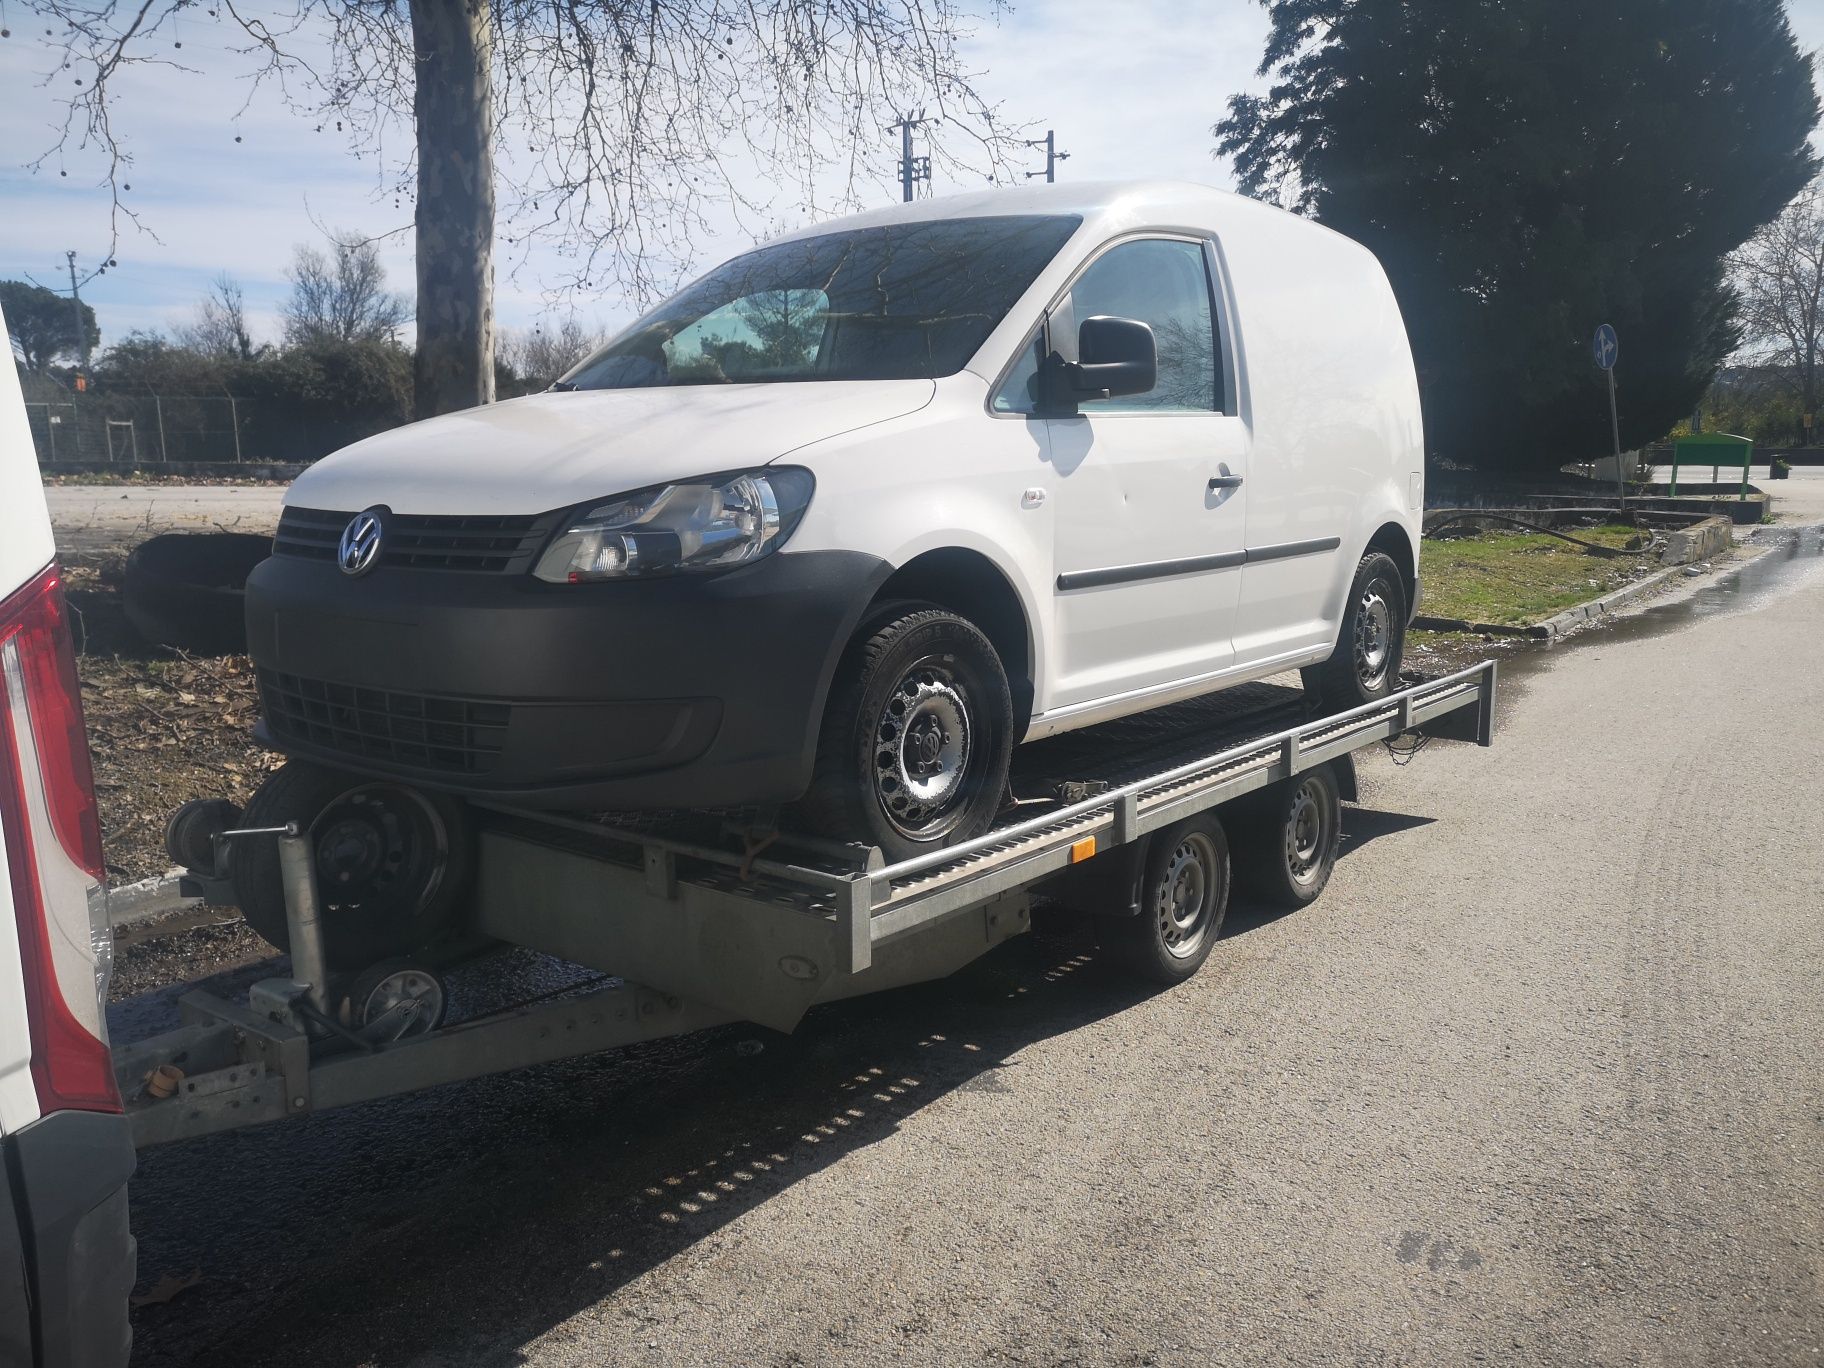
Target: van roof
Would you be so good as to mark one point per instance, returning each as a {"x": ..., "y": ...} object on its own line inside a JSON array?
[
  {"x": 1106, "y": 207},
  {"x": 1156, "y": 200}
]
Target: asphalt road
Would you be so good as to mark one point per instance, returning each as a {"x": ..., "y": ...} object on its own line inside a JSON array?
[
  {"x": 103, "y": 518},
  {"x": 1537, "y": 1081}
]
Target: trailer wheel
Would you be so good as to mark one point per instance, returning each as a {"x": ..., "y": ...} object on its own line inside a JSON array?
[
  {"x": 190, "y": 833},
  {"x": 394, "y": 999},
  {"x": 1365, "y": 666},
  {"x": 916, "y": 737},
  {"x": 1286, "y": 839},
  {"x": 1184, "y": 896},
  {"x": 391, "y": 861}
]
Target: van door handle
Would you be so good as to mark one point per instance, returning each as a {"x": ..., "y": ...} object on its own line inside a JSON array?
[{"x": 1225, "y": 482}]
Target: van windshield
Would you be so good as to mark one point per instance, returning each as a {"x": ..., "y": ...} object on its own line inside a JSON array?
[{"x": 901, "y": 302}]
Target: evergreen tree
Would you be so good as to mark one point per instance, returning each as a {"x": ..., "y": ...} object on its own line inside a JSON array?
[
  {"x": 1527, "y": 169},
  {"x": 43, "y": 323}
]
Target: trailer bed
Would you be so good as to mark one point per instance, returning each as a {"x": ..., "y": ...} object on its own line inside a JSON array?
[{"x": 705, "y": 921}]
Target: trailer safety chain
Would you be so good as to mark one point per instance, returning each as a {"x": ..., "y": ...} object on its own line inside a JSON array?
[{"x": 1403, "y": 750}]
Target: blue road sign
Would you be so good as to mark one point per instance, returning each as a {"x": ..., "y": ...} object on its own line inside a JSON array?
[{"x": 1606, "y": 347}]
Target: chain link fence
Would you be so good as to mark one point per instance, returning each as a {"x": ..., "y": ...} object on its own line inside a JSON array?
[{"x": 140, "y": 430}]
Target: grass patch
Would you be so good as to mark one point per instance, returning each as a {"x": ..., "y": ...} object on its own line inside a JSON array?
[{"x": 1515, "y": 579}]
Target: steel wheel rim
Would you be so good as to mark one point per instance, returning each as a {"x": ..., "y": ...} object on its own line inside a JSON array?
[
  {"x": 923, "y": 746},
  {"x": 412, "y": 989},
  {"x": 1185, "y": 901},
  {"x": 1307, "y": 833},
  {"x": 1373, "y": 636},
  {"x": 381, "y": 844}
]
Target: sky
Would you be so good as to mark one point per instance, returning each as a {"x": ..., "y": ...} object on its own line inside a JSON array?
[{"x": 227, "y": 181}]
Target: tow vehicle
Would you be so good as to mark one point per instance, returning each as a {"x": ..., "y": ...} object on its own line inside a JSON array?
[
  {"x": 1142, "y": 821},
  {"x": 66, "y": 1258}
]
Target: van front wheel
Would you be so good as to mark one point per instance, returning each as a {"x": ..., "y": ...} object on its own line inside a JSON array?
[
  {"x": 1365, "y": 666},
  {"x": 916, "y": 738}
]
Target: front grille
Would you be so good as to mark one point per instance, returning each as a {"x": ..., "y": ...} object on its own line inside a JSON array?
[
  {"x": 454, "y": 735},
  {"x": 486, "y": 545}
]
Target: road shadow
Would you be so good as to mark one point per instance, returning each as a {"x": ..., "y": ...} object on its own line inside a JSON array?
[
  {"x": 1360, "y": 826},
  {"x": 456, "y": 1226}
]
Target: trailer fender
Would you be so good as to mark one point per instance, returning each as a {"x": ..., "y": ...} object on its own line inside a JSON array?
[{"x": 1344, "y": 765}]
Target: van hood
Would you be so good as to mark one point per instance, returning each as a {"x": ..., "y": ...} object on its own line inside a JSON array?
[{"x": 549, "y": 451}]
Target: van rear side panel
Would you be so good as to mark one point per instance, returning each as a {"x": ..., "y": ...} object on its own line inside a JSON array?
[
  {"x": 25, "y": 549},
  {"x": 67, "y": 1259}
]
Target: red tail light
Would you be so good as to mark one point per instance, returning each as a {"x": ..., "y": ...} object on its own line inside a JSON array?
[{"x": 53, "y": 852}]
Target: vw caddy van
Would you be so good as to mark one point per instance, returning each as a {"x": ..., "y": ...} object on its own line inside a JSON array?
[{"x": 841, "y": 523}]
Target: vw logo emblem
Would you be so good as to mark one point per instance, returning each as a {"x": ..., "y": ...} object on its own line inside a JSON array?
[{"x": 359, "y": 549}]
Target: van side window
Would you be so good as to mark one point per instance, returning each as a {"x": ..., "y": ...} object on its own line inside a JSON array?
[
  {"x": 1019, "y": 391},
  {"x": 1165, "y": 284}
]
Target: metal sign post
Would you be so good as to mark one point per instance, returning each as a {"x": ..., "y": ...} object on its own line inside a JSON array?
[{"x": 1607, "y": 347}]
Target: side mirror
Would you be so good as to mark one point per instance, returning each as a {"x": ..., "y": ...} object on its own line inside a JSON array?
[{"x": 1114, "y": 356}]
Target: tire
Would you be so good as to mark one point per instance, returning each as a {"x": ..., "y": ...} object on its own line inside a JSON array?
[
  {"x": 191, "y": 830},
  {"x": 392, "y": 862},
  {"x": 388, "y": 984},
  {"x": 1286, "y": 839},
  {"x": 916, "y": 738},
  {"x": 1184, "y": 897},
  {"x": 1365, "y": 666},
  {"x": 187, "y": 589}
]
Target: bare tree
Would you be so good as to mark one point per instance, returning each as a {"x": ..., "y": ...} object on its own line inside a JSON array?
[
  {"x": 1779, "y": 276},
  {"x": 629, "y": 121},
  {"x": 540, "y": 354},
  {"x": 341, "y": 295},
  {"x": 220, "y": 327}
]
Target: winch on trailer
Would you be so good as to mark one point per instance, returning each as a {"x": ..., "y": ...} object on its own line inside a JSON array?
[{"x": 1146, "y": 821}]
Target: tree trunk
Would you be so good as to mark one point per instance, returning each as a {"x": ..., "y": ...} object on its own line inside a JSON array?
[{"x": 453, "y": 107}]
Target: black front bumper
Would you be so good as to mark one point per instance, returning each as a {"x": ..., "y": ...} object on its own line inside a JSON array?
[
  {"x": 682, "y": 691},
  {"x": 66, "y": 1258}
]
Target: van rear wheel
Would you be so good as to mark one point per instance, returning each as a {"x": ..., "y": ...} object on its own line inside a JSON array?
[
  {"x": 1365, "y": 666},
  {"x": 916, "y": 737}
]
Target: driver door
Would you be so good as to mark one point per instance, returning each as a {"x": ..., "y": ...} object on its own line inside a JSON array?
[{"x": 1150, "y": 501}]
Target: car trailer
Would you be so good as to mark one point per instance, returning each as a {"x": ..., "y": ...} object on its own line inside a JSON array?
[{"x": 700, "y": 934}]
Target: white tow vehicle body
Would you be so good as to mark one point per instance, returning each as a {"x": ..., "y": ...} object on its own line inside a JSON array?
[{"x": 66, "y": 1260}]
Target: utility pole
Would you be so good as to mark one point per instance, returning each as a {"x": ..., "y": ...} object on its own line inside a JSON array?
[
  {"x": 911, "y": 169},
  {"x": 82, "y": 333},
  {"x": 1052, "y": 157}
]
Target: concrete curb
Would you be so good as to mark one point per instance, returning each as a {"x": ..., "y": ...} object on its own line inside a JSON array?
[
  {"x": 145, "y": 899},
  {"x": 1572, "y": 618}
]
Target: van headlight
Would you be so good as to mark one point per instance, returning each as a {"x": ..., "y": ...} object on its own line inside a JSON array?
[{"x": 708, "y": 524}]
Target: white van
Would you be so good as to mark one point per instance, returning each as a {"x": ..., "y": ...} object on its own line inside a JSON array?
[
  {"x": 66, "y": 1151},
  {"x": 845, "y": 520}
]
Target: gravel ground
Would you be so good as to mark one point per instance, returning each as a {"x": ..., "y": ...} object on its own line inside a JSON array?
[
  {"x": 1536, "y": 1082},
  {"x": 164, "y": 726}
]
